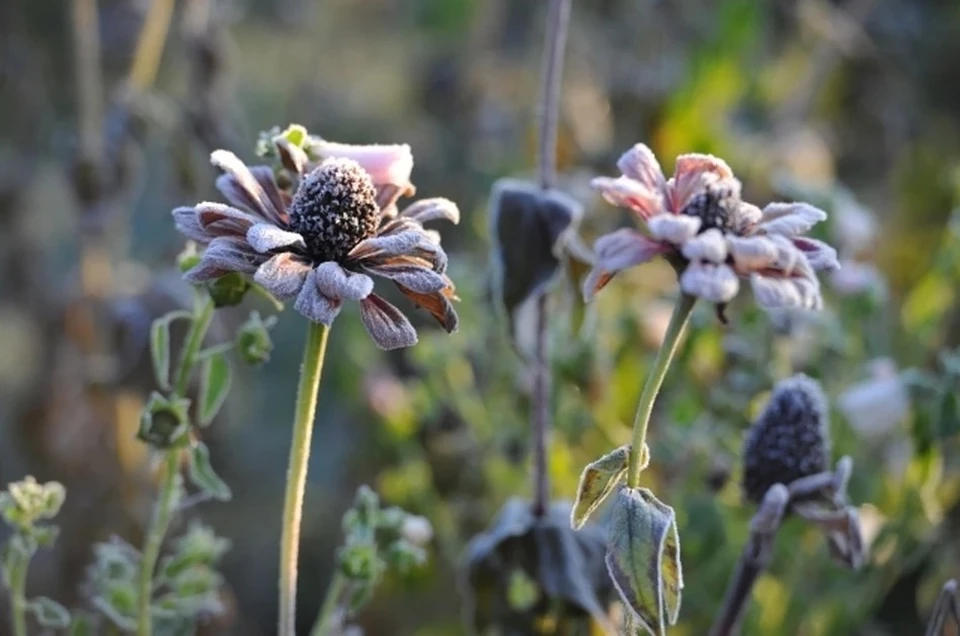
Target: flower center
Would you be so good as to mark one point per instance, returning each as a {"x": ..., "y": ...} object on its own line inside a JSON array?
[
  {"x": 714, "y": 207},
  {"x": 335, "y": 208}
]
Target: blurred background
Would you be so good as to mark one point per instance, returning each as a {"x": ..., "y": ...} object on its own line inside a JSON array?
[{"x": 852, "y": 105}]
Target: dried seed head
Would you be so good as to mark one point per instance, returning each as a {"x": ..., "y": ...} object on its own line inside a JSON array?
[
  {"x": 715, "y": 207},
  {"x": 789, "y": 440},
  {"x": 335, "y": 208}
]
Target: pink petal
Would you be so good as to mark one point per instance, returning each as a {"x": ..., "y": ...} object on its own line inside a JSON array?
[
  {"x": 314, "y": 305},
  {"x": 335, "y": 282},
  {"x": 616, "y": 252},
  {"x": 265, "y": 237},
  {"x": 386, "y": 324},
  {"x": 790, "y": 219},
  {"x": 631, "y": 194},
  {"x": 426, "y": 210},
  {"x": 388, "y": 165},
  {"x": 241, "y": 187},
  {"x": 822, "y": 257},
  {"x": 674, "y": 228},
  {"x": 707, "y": 246},
  {"x": 641, "y": 164},
  {"x": 693, "y": 173},
  {"x": 283, "y": 275},
  {"x": 713, "y": 283}
]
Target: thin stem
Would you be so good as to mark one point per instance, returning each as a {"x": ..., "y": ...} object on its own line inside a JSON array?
[
  {"x": 541, "y": 411},
  {"x": 330, "y": 604},
  {"x": 86, "y": 34},
  {"x": 306, "y": 408},
  {"x": 678, "y": 323},
  {"x": 18, "y": 596},
  {"x": 146, "y": 58},
  {"x": 557, "y": 23},
  {"x": 163, "y": 513}
]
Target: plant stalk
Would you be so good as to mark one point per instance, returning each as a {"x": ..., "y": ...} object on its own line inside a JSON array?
[
  {"x": 678, "y": 324},
  {"x": 18, "y": 596},
  {"x": 330, "y": 604},
  {"x": 306, "y": 409}
]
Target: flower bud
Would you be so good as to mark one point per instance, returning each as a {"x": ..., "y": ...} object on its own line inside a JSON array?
[
  {"x": 416, "y": 530},
  {"x": 228, "y": 290},
  {"x": 253, "y": 339},
  {"x": 164, "y": 423}
]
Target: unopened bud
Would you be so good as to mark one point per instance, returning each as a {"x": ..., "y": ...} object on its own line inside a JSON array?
[
  {"x": 164, "y": 423},
  {"x": 417, "y": 530},
  {"x": 228, "y": 290},
  {"x": 253, "y": 339}
]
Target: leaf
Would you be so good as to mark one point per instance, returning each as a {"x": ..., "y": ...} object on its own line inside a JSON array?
[
  {"x": 203, "y": 476},
  {"x": 160, "y": 347},
  {"x": 948, "y": 416},
  {"x": 643, "y": 558},
  {"x": 599, "y": 479},
  {"x": 49, "y": 613},
  {"x": 214, "y": 385},
  {"x": 81, "y": 625}
]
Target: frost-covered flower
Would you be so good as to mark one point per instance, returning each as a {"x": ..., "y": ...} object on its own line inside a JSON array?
[
  {"x": 319, "y": 244},
  {"x": 697, "y": 220}
]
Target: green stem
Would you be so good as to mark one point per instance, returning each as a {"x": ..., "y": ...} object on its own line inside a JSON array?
[
  {"x": 306, "y": 409},
  {"x": 330, "y": 603},
  {"x": 163, "y": 513},
  {"x": 18, "y": 596},
  {"x": 678, "y": 323}
]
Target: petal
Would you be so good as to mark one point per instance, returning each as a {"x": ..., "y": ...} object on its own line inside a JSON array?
[
  {"x": 694, "y": 164},
  {"x": 223, "y": 256},
  {"x": 710, "y": 245},
  {"x": 217, "y": 219},
  {"x": 185, "y": 220},
  {"x": 616, "y": 252},
  {"x": 334, "y": 281},
  {"x": 314, "y": 305},
  {"x": 641, "y": 164},
  {"x": 291, "y": 155},
  {"x": 752, "y": 252},
  {"x": 628, "y": 193},
  {"x": 438, "y": 304},
  {"x": 241, "y": 187},
  {"x": 822, "y": 257},
  {"x": 773, "y": 292},
  {"x": 283, "y": 275},
  {"x": 790, "y": 219},
  {"x": 693, "y": 173},
  {"x": 409, "y": 274},
  {"x": 432, "y": 209},
  {"x": 386, "y": 324},
  {"x": 415, "y": 242},
  {"x": 714, "y": 283},
  {"x": 674, "y": 228},
  {"x": 388, "y": 165},
  {"x": 265, "y": 237}
]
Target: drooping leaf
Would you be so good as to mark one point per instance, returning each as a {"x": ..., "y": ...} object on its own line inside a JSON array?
[
  {"x": 599, "y": 479},
  {"x": 203, "y": 476},
  {"x": 49, "y": 613},
  {"x": 160, "y": 347},
  {"x": 214, "y": 385},
  {"x": 643, "y": 558}
]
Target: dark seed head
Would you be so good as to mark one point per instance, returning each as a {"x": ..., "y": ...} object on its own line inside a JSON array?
[
  {"x": 789, "y": 440},
  {"x": 335, "y": 208},
  {"x": 715, "y": 206}
]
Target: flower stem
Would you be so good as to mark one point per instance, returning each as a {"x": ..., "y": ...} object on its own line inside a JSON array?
[
  {"x": 557, "y": 23},
  {"x": 163, "y": 513},
  {"x": 306, "y": 409},
  {"x": 541, "y": 411},
  {"x": 330, "y": 604},
  {"x": 678, "y": 323},
  {"x": 18, "y": 595}
]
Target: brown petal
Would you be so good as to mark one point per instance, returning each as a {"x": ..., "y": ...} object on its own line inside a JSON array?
[
  {"x": 185, "y": 220},
  {"x": 217, "y": 219},
  {"x": 241, "y": 187},
  {"x": 266, "y": 237},
  {"x": 438, "y": 304},
  {"x": 386, "y": 324},
  {"x": 292, "y": 156},
  {"x": 410, "y": 275},
  {"x": 616, "y": 252},
  {"x": 223, "y": 256},
  {"x": 426, "y": 210},
  {"x": 283, "y": 275},
  {"x": 314, "y": 305},
  {"x": 334, "y": 281},
  {"x": 694, "y": 172}
]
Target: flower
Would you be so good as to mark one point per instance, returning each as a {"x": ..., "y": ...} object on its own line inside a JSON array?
[
  {"x": 697, "y": 220},
  {"x": 320, "y": 243}
]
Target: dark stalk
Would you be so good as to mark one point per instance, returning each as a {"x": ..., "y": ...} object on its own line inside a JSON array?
[{"x": 555, "y": 42}]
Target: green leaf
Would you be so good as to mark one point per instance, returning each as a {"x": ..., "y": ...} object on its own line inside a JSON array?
[
  {"x": 599, "y": 479},
  {"x": 49, "y": 613},
  {"x": 81, "y": 625},
  {"x": 643, "y": 558},
  {"x": 46, "y": 535},
  {"x": 160, "y": 351},
  {"x": 214, "y": 386},
  {"x": 203, "y": 476}
]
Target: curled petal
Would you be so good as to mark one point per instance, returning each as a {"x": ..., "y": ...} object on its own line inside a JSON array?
[
  {"x": 438, "y": 304},
  {"x": 388, "y": 165},
  {"x": 223, "y": 256},
  {"x": 314, "y": 305},
  {"x": 409, "y": 274},
  {"x": 241, "y": 187},
  {"x": 335, "y": 282},
  {"x": 822, "y": 257},
  {"x": 674, "y": 228},
  {"x": 714, "y": 283},
  {"x": 426, "y": 210},
  {"x": 265, "y": 237},
  {"x": 291, "y": 155},
  {"x": 775, "y": 292},
  {"x": 218, "y": 219},
  {"x": 386, "y": 324},
  {"x": 708, "y": 246},
  {"x": 616, "y": 252},
  {"x": 790, "y": 219},
  {"x": 389, "y": 245},
  {"x": 185, "y": 220},
  {"x": 628, "y": 193},
  {"x": 283, "y": 275},
  {"x": 641, "y": 164},
  {"x": 752, "y": 253},
  {"x": 694, "y": 172}
]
